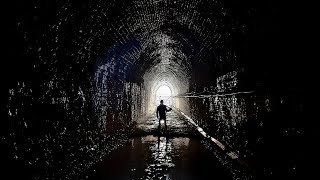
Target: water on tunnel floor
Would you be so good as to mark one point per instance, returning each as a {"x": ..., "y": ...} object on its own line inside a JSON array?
[{"x": 159, "y": 157}]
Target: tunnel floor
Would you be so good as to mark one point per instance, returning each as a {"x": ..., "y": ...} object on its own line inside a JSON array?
[{"x": 175, "y": 154}]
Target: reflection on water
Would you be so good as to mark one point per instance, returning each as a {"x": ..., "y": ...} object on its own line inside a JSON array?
[
  {"x": 161, "y": 159},
  {"x": 162, "y": 150},
  {"x": 157, "y": 157}
]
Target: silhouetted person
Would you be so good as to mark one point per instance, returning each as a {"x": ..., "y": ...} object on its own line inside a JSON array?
[{"x": 161, "y": 113}]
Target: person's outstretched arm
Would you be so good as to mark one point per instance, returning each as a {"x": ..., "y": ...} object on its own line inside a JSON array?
[{"x": 168, "y": 109}]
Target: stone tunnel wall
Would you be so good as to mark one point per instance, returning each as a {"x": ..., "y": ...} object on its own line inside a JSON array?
[
  {"x": 58, "y": 126},
  {"x": 262, "y": 124},
  {"x": 62, "y": 107},
  {"x": 117, "y": 102}
]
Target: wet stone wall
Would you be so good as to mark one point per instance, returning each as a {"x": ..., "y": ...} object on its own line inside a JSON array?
[
  {"x": 60, "y": 114},
  {"x": 59, "y": 128},
  {"x": 117, "y": 102},
  {"x": 262, "y": 125},
  {"x": 49, "y": 128}
]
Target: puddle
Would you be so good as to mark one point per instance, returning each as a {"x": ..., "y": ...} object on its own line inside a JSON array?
[{"x": 159, "y": 157}]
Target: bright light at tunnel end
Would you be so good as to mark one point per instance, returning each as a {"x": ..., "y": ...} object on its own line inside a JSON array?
[{"x": 164, "y": 93}]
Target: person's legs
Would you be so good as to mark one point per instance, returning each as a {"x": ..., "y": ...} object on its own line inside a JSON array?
[{"x": 165, "y": 124}]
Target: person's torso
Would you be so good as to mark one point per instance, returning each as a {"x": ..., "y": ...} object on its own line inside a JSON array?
[{"x": 162, "y": 110}]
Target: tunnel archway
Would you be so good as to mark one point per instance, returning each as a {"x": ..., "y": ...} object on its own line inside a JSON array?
[
  {"x": 83, "y": 72},
  {"x": 95, "y": 68}
]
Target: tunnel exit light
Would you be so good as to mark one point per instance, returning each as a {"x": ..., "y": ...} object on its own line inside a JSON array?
[{"x": 164, "y": 93}]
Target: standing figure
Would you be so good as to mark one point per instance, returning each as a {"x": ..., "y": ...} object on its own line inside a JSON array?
[{"x": 161, "y": 113}]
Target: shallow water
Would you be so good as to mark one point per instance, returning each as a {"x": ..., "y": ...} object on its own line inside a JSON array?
[{"x": 160, "y": 157}]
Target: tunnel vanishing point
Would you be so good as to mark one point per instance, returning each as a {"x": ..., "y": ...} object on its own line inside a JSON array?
[{"x": 81, "y": 76}]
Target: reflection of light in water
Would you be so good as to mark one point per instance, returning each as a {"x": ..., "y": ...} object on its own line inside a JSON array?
[
  {"x": 149, "y": 139},
  {"x": 162, "y": 151},
  {"x": 161, "y": 157},
  {"x": 180, "y": 142},
  {"x": 164, "y": 147}
]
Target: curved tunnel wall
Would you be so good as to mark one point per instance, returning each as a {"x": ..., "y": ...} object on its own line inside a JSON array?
[
  {"x": 118, "y": 98},
  {"x": 84, "y": 71}
]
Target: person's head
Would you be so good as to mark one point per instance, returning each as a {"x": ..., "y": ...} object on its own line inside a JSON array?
[{"x": 161, "y": 101}]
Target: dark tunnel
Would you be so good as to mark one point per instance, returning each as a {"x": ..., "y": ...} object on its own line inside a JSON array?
[{"x": 80, "y": 77}]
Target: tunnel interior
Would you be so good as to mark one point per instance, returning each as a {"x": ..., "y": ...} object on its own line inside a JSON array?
[{"x": 81, "y": 74}]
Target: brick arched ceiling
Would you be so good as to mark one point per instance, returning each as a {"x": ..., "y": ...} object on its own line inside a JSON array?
[{"x": 174, "y": 33}]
